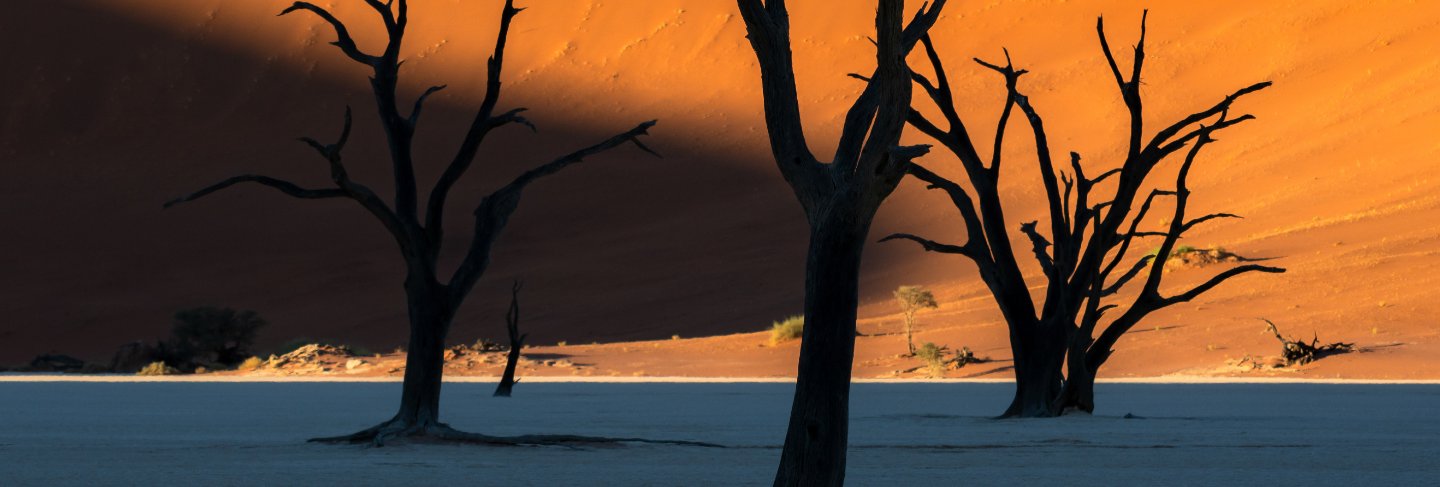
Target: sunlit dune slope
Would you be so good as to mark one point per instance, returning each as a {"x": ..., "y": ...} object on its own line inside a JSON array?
[{"x": 113, "y": 106}]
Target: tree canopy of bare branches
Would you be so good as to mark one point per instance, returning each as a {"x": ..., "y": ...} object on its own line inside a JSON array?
[
  {"x": 432, "y": 299},
  {"x": 840, "y": 198},
  {"x": 1085, "y": 250}
]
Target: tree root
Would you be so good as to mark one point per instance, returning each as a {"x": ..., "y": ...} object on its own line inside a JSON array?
[
  {"x": 434, "y": 432},
  {"x": 1300, "y": 353}
]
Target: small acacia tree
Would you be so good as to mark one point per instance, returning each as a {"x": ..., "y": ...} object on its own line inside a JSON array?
[
  {"x": 912, "y": 299},
  {"x": 1091, "y": 236},
  {"x": 432, "y": 302},
  {"x": 840, "y": 199}
]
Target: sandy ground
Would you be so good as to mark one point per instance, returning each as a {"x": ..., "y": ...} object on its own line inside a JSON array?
[{"x": 902, "y": 434}]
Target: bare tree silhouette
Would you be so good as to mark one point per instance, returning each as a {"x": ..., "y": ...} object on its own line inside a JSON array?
[
  {"x": 432, "y": 302},
  {"x": 517, "y": 342},
  {"x": 840, "y": 199},
  {"x": 1079, "y": 268}
]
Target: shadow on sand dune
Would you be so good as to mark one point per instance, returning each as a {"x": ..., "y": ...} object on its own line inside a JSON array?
[{"x": 108, "y": 118}]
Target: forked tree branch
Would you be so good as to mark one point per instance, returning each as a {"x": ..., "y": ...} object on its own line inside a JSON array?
[
  {"x": 1179, "y": 143},
  {"x": 1128, "y": 237},
  {"x": 494, "y": 210},
  {"x": 930, "y": 245},
  {"x": 1058, "y": 229},
  {"x": 1192, "y": 223},
  {"x": 1163, "y": 137},
  {"x": 331, "y": 152},
  {"x": 919, "y": 27},
  {"x": 768, "y": 27},
  {"x": 345, "y": 187},
  {"x": 384, "y": 9},
  {"x": 1215, "y": 281},
  {"x": 485, "y": 121},
  {"x": 1012, "y": 96},
  {"x": 1129, "y": 89},
  {"x": 420, "y": 104},
  {"x": 888, "y": 103},
  {"x": 997, "y": 263},
  {"x": 1140, "y": 265},
  {"x": 956, "y": 138},
  {"x": 283, "y": 186},
  {"x": 1150, "y": 299},
  {"x": 344, "y": 41},
  {"x": 974, "y": 227},
  {"x": 1039, "y": 244}
]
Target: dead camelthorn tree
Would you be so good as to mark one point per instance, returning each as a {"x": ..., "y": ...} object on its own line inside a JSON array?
[
  {"x": 1089, "y": 237},
  {"x": 432, "y": 302},
  {"x": 912, "y": 299},
  {"x": 840, "y": 199},
  {"x": 517, "y": 342}
]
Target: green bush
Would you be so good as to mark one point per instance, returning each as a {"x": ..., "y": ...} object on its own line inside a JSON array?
[
  {"x": 788, "y": 329},
  {"x": 158, "y": 368},
  {"x": 934, "y": 358},
  {"x": 930, "y": 353}
]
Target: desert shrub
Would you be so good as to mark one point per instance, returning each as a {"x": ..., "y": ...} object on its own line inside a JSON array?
[
  {"x": 930, "y": 353},
  {"x": 934, "y": 357},
  {"x": 788, "y": 329},
  {"x": 158, "y": 368},
  {"x": 1179, "y": 251},
  {"x": 215, "y": 335},
  {"x": 249, "y": 364}
]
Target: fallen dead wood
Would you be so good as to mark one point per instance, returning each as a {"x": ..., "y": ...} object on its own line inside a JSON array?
[{"x": 1300, "y": 353}]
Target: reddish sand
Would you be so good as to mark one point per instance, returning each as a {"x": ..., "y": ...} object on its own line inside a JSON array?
[{"x": 113, "y": 106}]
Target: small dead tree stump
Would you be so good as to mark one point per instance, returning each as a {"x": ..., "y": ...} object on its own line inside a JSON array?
[
  {"x": 1297, "y": 352},
  {"x": 517, "y": 342}
]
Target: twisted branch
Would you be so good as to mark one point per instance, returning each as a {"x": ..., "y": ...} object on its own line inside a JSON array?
[{"x": 494, "y": 210}]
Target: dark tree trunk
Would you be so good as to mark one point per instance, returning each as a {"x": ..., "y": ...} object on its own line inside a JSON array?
[
  {"x": 517, "y": 342},
  {"x": 507, "y": 381},
  {"x": 1038, "y": 374},
  {"x": 815, "y": 441},
  {"x": 840, "y": 198},
  {"x": 425, "y": 360},
  {"x": 1079, "y": 392}
]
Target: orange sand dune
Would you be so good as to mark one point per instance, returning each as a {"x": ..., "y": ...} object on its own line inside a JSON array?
[{"x": 113, "y": 106}]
